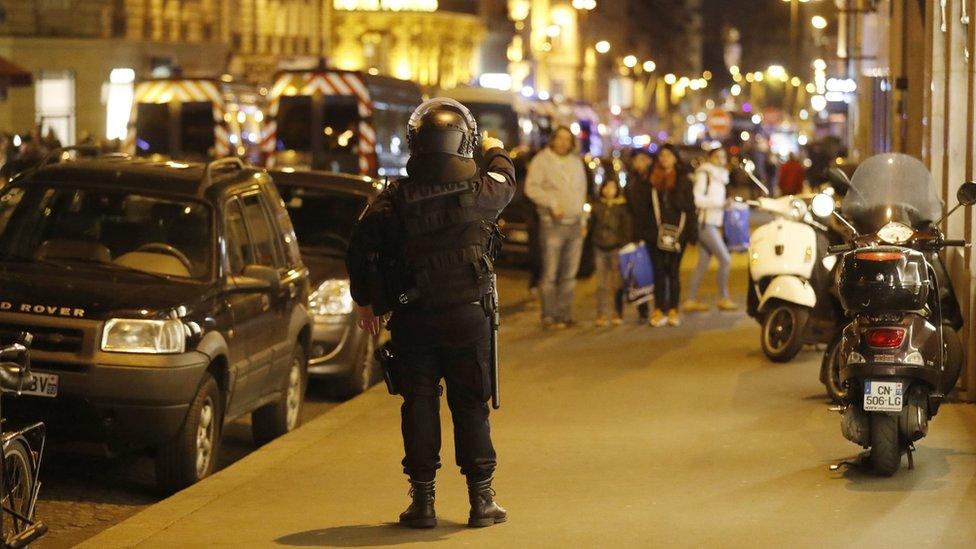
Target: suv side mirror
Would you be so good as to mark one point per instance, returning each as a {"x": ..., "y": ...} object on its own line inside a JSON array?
[
  {"x": 257, "y": 278},
  {"x": 966, "y": 195}
]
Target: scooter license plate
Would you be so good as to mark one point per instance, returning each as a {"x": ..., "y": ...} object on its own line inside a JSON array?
[{"x": 882, "y": 396}]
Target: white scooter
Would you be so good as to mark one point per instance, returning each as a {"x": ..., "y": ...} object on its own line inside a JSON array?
[{"x": 790, "y": 284}]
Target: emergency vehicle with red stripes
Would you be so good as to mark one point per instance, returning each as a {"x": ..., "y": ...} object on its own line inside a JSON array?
[
  {"x": 195, "y": 119},
  {"x": 339, "y": 121}
]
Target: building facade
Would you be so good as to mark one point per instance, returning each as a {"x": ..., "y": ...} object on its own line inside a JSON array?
[
  {"x": 434, "y": 44},
  {"x": 84, "y": 52},
  {"x": 915, "y": 62}
]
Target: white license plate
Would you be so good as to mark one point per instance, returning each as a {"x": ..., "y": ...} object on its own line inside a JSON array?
[
  {"x": 43, "y": 385},
  {"x": 518, "y": 236},
  {"x": 882, "y": 396}
]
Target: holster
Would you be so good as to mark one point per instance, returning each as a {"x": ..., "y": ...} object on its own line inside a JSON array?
[{"x": 392, "y": 371}]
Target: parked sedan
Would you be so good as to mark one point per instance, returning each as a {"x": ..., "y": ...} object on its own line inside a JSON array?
[{"x": 324, "y": 207}]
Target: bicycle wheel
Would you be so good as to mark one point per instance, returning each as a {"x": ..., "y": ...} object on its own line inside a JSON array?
[{"x": 18, "y": 487}]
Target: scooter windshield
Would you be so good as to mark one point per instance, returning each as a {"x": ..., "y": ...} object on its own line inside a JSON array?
[{"x": 891, "y": 187}]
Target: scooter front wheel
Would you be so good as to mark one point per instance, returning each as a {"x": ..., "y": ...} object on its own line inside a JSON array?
[
  {"x": 830, "y": 371},
  {"x": 885, "y": 444},
  {"x": 782, "y": 331}
]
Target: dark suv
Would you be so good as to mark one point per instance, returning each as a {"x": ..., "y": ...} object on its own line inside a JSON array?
[{"x": 166, "y": 299}]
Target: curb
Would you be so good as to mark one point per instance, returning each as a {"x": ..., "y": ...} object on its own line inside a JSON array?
[{"x": 156, "y": 518}]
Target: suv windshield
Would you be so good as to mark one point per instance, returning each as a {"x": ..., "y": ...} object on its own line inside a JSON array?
[{"x": 117, "y": 228}]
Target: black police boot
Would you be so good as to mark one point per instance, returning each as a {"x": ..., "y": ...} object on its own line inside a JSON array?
[
  {"x": 484, "y": 510},
  {"x": 420, "y": 514}
]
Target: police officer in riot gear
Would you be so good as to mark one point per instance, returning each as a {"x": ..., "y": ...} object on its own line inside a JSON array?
[{"x": 422, "y": 252}]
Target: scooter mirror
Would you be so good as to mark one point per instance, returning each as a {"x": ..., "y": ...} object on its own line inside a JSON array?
[
  {"x": 822, "y": 205},
  {"x": 838, "y": 178},
  {"x": 966, "y": 195}
]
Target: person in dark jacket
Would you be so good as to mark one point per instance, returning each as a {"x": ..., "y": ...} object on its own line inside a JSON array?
[
  {"x": 611, "y": 230},
  {"x": 663, "y": 209},
  {"x": 427, "y": 238}
]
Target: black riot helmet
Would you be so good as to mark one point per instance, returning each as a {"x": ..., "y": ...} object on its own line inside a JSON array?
[{"x": 442, "y": 125}]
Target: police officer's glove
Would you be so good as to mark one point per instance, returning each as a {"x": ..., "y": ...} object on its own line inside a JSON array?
[{"x": 489, "y": 143}]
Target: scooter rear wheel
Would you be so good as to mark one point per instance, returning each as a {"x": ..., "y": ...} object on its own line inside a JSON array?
[
  {"x": 782, "y": 331},
  {"x": 886, "y": 447}
]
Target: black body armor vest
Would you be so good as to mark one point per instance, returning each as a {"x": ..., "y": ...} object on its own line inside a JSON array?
[{"x": 444, "y": 245}]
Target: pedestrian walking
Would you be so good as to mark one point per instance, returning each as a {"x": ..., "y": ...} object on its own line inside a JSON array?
[
  {"x": 791, "y": 176},
  {"x": 611, "y": 231},
  {"x": 556, "y": 184},
  {"x": 423, "y": 250},
  {"x": 711, "y": 180}
]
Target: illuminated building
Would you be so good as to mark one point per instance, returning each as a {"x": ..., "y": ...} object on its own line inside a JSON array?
[{"x": 432, "y": 43}]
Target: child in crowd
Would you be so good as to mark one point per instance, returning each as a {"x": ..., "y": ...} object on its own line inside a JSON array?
[{"x": 611, "y": 230}]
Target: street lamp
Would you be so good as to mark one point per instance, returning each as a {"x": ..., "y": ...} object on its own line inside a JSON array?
[
  {"x": 649, "y": 66},
  {"x": 777, "y": 72},
  {"x": 818, "y": 22},
  {"x": 583, "y": 8},
  {"x": 670, "y": 79},
  {"x": 630, "y": 61},
  {"x": 602, "y": 46}
]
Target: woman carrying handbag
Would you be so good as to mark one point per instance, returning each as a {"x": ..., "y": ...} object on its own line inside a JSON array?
[{"x": 664, "y": 216}]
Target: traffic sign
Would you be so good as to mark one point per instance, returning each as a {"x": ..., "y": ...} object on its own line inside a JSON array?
[{"x": 719, "y": 123}]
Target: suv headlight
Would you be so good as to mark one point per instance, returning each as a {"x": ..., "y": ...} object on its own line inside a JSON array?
[
  {"x": 331, "y": 298},
  {"x": 143, "y": 336}
]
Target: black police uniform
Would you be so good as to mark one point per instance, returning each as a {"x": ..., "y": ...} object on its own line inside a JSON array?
[{"x": 435, "y": 225}]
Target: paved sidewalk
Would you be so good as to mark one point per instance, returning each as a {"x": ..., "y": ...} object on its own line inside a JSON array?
[{"x": 625, "y": 437}]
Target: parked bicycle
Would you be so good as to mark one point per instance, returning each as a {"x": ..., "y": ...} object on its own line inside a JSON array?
[{"x": 21, "y": 457}]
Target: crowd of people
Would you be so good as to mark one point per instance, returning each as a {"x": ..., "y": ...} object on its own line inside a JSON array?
[
  {"x": 666, "y": 206},
  {"x": 22, "y": 151}
]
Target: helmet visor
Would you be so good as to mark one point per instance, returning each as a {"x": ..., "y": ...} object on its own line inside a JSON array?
[{"x": 448, "y": 142}]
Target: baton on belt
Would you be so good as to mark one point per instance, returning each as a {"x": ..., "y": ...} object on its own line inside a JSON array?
[{"x": 495, "y": 321}]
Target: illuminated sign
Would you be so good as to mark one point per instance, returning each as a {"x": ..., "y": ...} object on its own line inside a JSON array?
[{"x": 385, "y": 5}]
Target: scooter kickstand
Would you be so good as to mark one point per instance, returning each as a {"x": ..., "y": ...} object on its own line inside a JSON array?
[
  {"x": 856, "y": 462},
  {"x": 911, "y": 457}
]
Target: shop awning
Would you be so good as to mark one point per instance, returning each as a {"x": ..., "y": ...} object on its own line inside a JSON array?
[{"x": 13, "y": 76}]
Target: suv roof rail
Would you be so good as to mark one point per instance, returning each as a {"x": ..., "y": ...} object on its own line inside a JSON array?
[
  {"x": 54, "y": 156},
  {"x": 230, "y": 161}
]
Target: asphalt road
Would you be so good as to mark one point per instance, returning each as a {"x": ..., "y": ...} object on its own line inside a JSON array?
[
  {"x": 615, "y": 437},
  {"x": 83, "y": 495}
]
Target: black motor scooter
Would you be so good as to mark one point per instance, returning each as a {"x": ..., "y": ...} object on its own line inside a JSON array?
[{"x": 900, "y": 355}]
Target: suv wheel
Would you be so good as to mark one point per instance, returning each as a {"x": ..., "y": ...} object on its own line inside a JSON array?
[
  {"x": 192, "y": 454},
  {"x": 361, "y": 376},
  {"x": 277, "y": 418}
]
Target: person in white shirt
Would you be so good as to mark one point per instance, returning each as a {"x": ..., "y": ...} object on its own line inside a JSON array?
[
  {"x": 710, "y": 198},
  {"x": 556, "y": 184}
]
